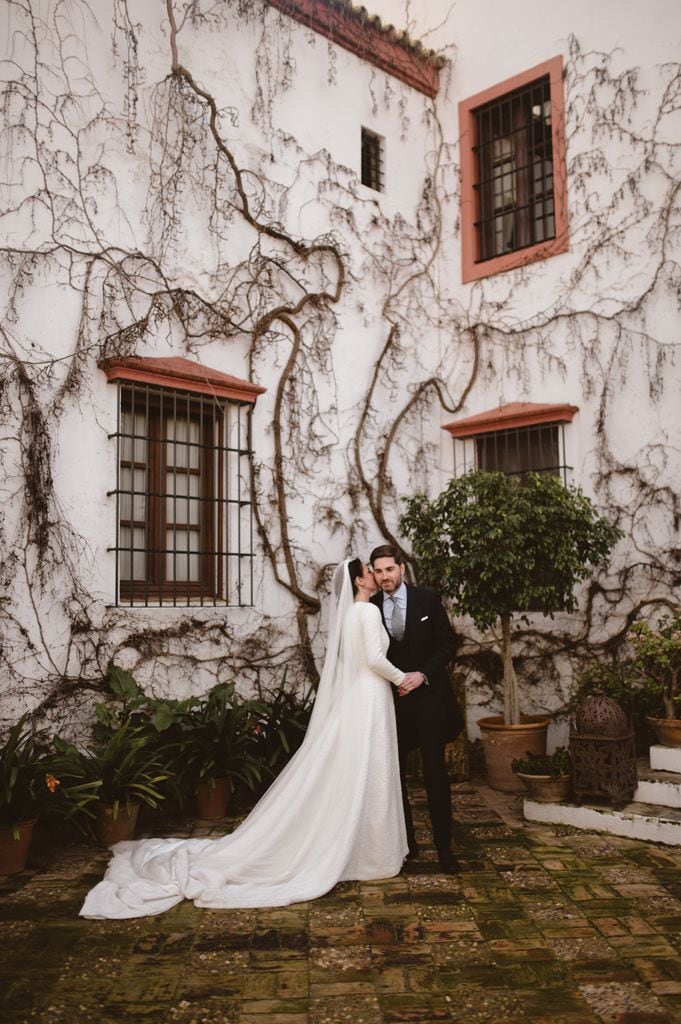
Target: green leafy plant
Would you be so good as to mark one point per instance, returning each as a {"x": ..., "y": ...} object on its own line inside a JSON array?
[
  {"x": 279, "y": 728},
  {"x": 164, "y": 722},
  {"x": 498, "y": 546},
  {"x": 125, "y": 767},
  {"x": 657, "y": 662},
  {"x": 554, "y": 765},
  {"x": 25, "y": 782},
  {"x": 213, "y": 736},
  {"x": 620, "y": 681},
  {"x": 217, "y": 738},
  {"x": 613, "y": 679}
]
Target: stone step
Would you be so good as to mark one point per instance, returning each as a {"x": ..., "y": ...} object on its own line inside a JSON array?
[
  {"x": 657, "y": 787},
  {"x": 635, "y": 820},
  {"x": 665, "y": 759}
]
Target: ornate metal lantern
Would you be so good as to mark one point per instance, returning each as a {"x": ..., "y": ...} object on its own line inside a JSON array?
[{"x": 603, "y": 751}]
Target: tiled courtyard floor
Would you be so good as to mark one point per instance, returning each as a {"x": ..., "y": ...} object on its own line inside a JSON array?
[{"x": 545, "y": 924}]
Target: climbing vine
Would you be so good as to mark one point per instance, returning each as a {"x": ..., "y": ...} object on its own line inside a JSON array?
[{"x": 157, "y": 209}]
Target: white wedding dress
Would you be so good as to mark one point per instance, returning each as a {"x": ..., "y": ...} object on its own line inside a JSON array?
[{"x": 333, "y": 814}]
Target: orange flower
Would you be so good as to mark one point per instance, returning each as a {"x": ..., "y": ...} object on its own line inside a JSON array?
[{"x": 51, "y": 782}]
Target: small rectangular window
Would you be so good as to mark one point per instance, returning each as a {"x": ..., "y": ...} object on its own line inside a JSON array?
[
  {"x": 183, "y": 497},
  {"x": 372, "y": 160},
  {"x": 521, "y": 451}
]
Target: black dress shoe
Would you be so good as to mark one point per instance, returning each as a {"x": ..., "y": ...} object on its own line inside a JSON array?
[{"x": 449, "y": 865}]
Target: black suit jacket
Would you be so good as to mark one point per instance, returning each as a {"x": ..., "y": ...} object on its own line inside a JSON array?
[{"x": 429, "y": 645}]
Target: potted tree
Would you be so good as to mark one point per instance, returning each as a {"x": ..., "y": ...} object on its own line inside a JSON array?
[
  {"x": 25, "y": 785},
  {"x": 499, "y": 546},
  {"x": 657, "y": 665},
  {"x": 546, "y": 776}
]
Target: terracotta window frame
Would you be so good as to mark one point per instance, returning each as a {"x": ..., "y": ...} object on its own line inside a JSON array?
[
  {"x": 184, "y": 531},
  {"x": 474, "y": 267},
  {"x": 514, "y": 434}
]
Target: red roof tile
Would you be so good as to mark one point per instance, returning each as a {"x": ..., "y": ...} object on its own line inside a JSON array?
[
  {"x": 178, "y": 372},
  {"x": 511, "y": 416}
]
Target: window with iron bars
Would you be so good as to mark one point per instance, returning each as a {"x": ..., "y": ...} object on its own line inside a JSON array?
[
  {"x": 516, "y": 452},
  {"x": 514, "y": 160},
  {"x": 372, "y": 160},
  {"x": 183, "y": 497}
]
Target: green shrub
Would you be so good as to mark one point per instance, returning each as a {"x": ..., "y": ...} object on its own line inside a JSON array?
[{"x": 555, "y": 764}]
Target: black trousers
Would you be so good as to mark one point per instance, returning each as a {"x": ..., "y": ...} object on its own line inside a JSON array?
[{"x": 421, "y": 725}]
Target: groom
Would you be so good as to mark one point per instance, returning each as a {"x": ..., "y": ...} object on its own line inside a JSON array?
[{"x": 422, "y": 643}]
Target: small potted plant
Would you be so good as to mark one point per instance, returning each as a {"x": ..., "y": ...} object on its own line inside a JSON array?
[
  {"x": 162, "y": 721},
  {"x": 126, "y": 768},
  {"x": 217, "y": 747},
  {"x": 547, "y": 777},
  {"x": 499, "y": 547},
  {"x": 657, "y": 664},
  {"x": 25, "y": 785},
  {"x": 278, "y": 729}
]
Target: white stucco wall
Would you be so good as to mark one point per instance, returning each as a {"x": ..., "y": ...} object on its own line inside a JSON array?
[{"x": 569, "y": 329}]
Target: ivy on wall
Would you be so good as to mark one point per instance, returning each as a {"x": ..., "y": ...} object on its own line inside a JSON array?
[{"x": 278, "y": 302}]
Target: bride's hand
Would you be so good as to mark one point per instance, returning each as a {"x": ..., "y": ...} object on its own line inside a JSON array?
[{"x": 411, "y": 681}]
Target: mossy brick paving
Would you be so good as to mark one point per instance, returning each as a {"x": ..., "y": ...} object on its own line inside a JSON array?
[{"x": 544, "y": 924}]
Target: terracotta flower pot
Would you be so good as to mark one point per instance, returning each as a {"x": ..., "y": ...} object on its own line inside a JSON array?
[
  {"x": 212, "y": 798},
  {"x": 667, "y": 730},
  {"x": 547, "y": 789},
  {"x": 505, "y": 743},
  {"x": 112, "y": 829},
  {"x": 15, "y": 841}
]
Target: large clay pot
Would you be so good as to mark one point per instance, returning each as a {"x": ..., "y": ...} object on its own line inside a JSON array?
[
  {"x": 505, "y": 743},
  {"x": 116, "y": 829},
  {"x": 667, "y": 730},
  {"x": 14, "y": 843},
  {"x": 212, "y": 798},
  {"x": 546, "y": 789}
]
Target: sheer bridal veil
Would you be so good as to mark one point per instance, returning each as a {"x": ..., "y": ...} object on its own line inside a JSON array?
[{"x": 340, "y": 663}]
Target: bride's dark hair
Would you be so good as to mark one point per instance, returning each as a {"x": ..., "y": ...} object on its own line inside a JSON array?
[{"x": 355, "y": 569}]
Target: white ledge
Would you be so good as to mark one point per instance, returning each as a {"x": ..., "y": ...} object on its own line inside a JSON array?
[
  {"x": 665, "y": 759},
  {"x": 635, "y": 821}
]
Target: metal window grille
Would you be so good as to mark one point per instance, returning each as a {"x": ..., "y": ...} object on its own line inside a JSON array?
[
  {"x": 183, "y": 498},
  {"x": 372, "y": 160},
  {"x": 514, "y": 158},
  {"x": 537, "y": 449}
]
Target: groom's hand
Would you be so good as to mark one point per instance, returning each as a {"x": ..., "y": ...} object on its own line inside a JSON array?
[{"x": 411, "y": 682}]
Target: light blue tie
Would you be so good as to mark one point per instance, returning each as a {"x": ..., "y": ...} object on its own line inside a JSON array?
[{"x": 397, "y": 623}]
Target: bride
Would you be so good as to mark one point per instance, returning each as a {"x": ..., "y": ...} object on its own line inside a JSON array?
[{"x": 333, "y": 814}]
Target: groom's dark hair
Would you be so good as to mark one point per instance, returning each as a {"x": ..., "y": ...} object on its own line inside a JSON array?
[{"x": 387, "y": 551}]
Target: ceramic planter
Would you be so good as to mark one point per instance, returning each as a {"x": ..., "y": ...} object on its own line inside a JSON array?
[
  {"x": 212, "y": 798},
  {"x": 547, "y": 789},
  {"x": 112, "y": 829},
  {"x": 15, "y": 841},
  {"x": 667, "y": 730},
  {"x": 506, "y": 743}
]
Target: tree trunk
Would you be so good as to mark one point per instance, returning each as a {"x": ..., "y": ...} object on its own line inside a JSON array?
[
  {"x": 511, "y": 707},
  {"x": 669, "y": 693}
]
